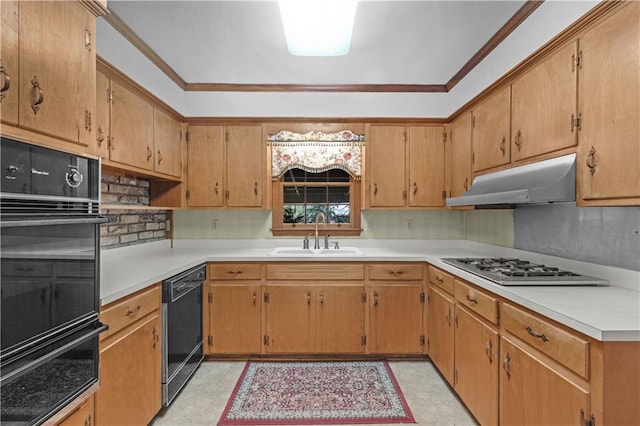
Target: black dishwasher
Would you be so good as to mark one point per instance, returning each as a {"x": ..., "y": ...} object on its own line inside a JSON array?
[{"x": 182, "y": 349}]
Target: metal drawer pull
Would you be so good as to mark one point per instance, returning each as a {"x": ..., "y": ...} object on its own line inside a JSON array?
[
  {"x": 536, "y": 335},
  {"x": 472, "y": 300},
  {"x": 439, "y": 279},
  {"x": 394, "y": 273},
  {"x": 133, "y": 311}
]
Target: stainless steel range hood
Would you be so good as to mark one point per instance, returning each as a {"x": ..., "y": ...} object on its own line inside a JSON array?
[{"x": 546, "y": 181}]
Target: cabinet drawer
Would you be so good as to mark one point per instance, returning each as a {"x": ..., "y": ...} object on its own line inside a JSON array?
[
  {"x": 395, "y": 271},
  {"x": 564, "y": 347},
  {"x": 441, "y": 279},
  {"x": 235, "y": 271},
  {"x": 318, "y": 271},
  {"x": 17, "y": 268},
  {"x": 120, "y": 314},
  {"x": 478, "y": 301}
]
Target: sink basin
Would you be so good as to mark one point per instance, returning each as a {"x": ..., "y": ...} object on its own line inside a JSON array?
[{"x": 299, "y": 252}]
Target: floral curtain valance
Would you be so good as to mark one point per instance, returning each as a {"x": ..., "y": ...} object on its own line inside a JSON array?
[{"x": 316, "y": 152}]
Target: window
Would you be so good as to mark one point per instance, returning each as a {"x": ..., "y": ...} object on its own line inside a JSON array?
[{"x": 300, "y": 195}]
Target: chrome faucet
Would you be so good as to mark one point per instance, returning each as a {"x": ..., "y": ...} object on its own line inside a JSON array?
[{"x": 316, "y": 245}]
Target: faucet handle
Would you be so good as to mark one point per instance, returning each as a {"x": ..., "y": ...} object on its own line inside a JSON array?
[
  {"x": 305, "y": 243},
  {"x": 326, "y": 242},
  {"x": 336, "y": 245}
]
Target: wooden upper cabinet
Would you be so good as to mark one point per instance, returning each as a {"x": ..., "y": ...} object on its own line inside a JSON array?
[
  {"x": 131, "y": 128},
  {"x": 543, "y": 106},
  {"x": 100, "y": 144},
  {"x": 244, "y": 166},
  {"x": 460, "y": 155},
  {"x": 385, "y": 166},
  {"x": 57, "y": 69},
  {"x": 490, "y": 134},
  {"x": 167, "y": 142},
  {"x": 205, "y": 165},
  {"x": 609, "y": 97},
  {"x": 426, "y": 166},
  {"x": 9, "y": 62}
]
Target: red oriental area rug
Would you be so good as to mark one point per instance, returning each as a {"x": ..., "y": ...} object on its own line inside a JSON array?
[{"x": 303, "y": 393}]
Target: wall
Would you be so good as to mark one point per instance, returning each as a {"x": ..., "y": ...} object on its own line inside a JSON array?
[
  {"x": 131, "y": 225},
  {"x": 493, "y": 227},
  {"x": 603, "y": 235}
]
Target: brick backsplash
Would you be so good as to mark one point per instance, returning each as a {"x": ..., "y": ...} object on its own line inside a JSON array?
[{"x": 130, "y": 226}]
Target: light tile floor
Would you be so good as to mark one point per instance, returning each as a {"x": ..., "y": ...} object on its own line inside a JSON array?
[{"x": 202, "y": 401}]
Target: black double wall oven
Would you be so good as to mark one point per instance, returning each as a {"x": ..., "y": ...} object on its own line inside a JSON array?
[{"x": 49, "y": 305}]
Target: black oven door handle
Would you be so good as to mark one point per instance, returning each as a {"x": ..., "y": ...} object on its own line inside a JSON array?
[
  {"x": 49, "y": 222},
  {"x": 100, "y": 327}
]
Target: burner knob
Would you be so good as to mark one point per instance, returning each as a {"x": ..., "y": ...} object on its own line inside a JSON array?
[
  {"x": 12, "y": 168},
  {"x": 74, "y": 178}
]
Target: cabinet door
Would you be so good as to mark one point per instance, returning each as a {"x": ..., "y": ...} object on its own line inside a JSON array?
[
  {"x": 385, "y": 166},
  {"x": 167, "y": 141},
  {"x": 609, "y": 146},
  {"x": 245, "y": 166},
  {"x": 440, "y": 332},
  {"x": 395, "y": 318},
  {"x": 234, "y": 320},
  {"x": 100, "y": 145},
  {"x": 460, "y": 155},
  {"x": 476, "y": 366},
  {"x": 426, "y": 166},
  {"x": 131, "y": 376},
  {"x": 9, "y": 62},
  {"x": 57, "y": 69},
  {"x": 543, "y": 102},
  {"x": 490, "y": 134},
  {"x": 131, "y": 128},
  {"x": 289, "y": 319},
  {"x": 531, "y": 393},
  {"x": 339, "y": 318},
  {"x": 205, "y": 162},
  {"x": 83, "y": 415}
]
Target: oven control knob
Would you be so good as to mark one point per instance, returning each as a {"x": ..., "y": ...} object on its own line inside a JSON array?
[{"x": 74, "y": 178}]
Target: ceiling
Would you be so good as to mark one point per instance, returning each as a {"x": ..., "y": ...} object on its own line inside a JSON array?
[{"x": 240, "y": 45}]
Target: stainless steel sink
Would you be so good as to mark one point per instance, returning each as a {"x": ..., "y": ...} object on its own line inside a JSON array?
[{"x": 300, "y": 252}]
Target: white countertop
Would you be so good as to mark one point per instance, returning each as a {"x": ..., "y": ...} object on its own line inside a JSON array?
[{"x": 604, "y": 313}]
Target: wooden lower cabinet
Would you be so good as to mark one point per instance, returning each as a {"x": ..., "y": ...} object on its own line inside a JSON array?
[
  {"x": 476, "y": 366},
  {"x": 440, "y": 331},
  {"x": 234, "y": 317},
  {"x": 84, "y": 415},
  {"x": 533, "y": 392},
  {"x": 131, "y": 361},
  {"x": 314, "y": 318},
  {"x": 395, "y": 318}
]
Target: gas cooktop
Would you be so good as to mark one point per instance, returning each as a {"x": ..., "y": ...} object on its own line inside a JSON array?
[{"x": 512, "y": 271}]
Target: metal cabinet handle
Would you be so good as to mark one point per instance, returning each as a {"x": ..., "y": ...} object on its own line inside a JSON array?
[
  {"x": 590, "y": 161},
  {"x": 159, "y": 157},
  {"x": 255, "y": 297},
  {"x": 518, "y": 140},
  {"x": 375, "y": 298},
  {"x": 100, "y": 136},
  {"x": 321, "y": 298},
  {"x": 466, "y": 183},
  {"x": 448, "y": 317},
  {"x": 506, "y": 365},
  {"x": 156, "y": 337},
  {"x": 415, "y": 188},
  {"x": 255, "y": 188},
  {"x": 472, "y": 300},
  {"x": 149, "y": 153},
  {"x": 489, "y": 351},
  {"x": 536, "y": 335},
  {"x": 87, "y": 39},
  {"x": 308, "y": 298},
  {"x": 375, "y": 189},
  {"x": 88, "y": 421},
  {"x": 6, "y": 81},
  {"x": 37, "y": 95},
  {"x": 216, "y": 188},
  {"x": 502, "y": 145}
]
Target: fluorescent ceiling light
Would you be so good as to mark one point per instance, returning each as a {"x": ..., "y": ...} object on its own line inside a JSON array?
[{"x": 318, "y": 27}]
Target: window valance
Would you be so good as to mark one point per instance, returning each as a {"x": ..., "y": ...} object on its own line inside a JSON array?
[{"x": 316, "y": 152}]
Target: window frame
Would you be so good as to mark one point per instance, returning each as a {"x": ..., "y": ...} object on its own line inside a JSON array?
[{"x": 279, "y": 228}]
